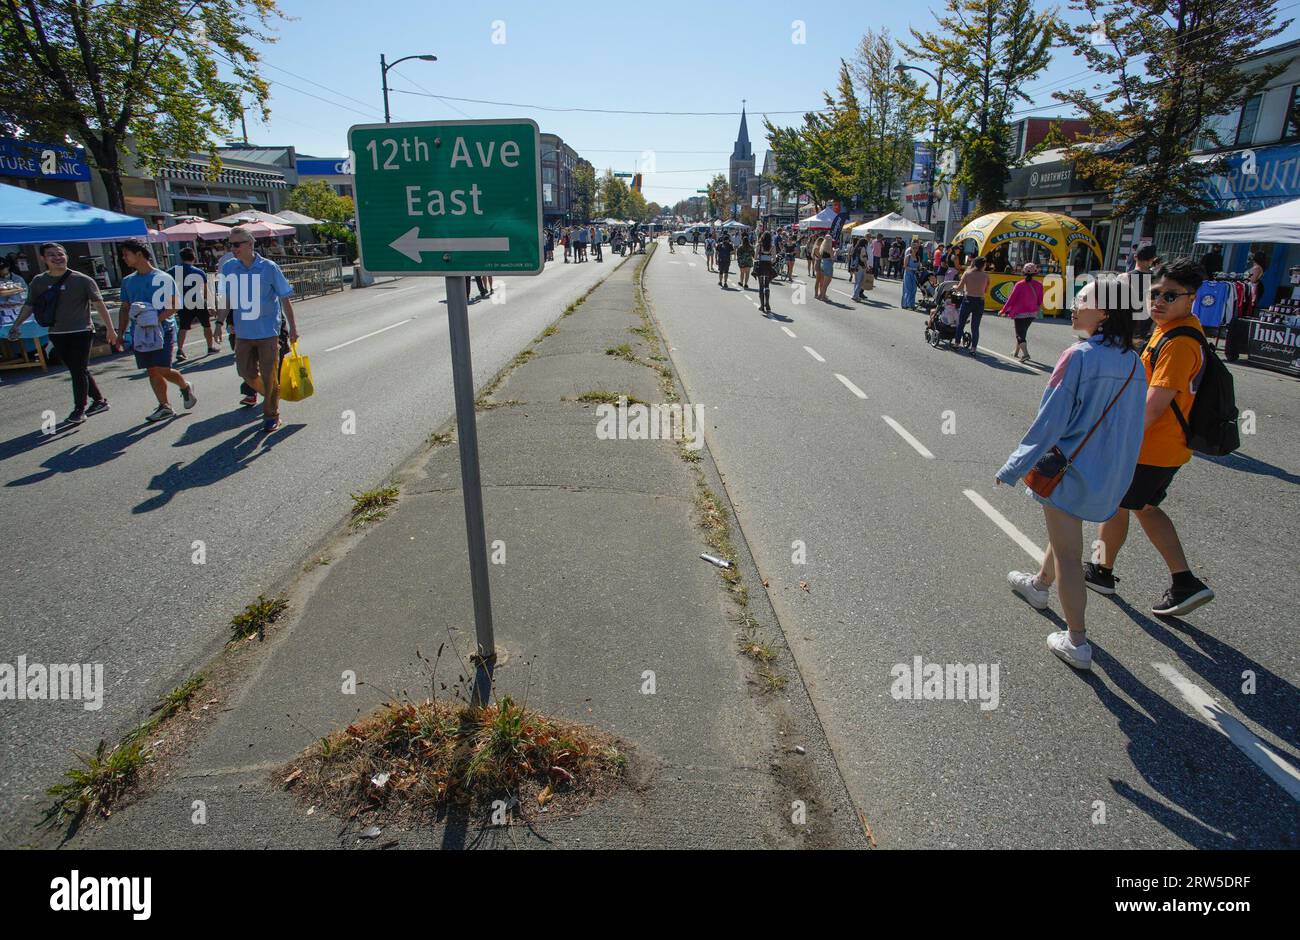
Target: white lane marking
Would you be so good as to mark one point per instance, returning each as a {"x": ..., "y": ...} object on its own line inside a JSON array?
[
  {"x": 906, "y": 435},
  {"x": 850, "y": 386},
  {"x": 841, "y": 293},
  {"x": 385, "y": 329},
  {"x": 1263, "y": 756},
  {"x": 1011, "y": 360},
  {"x": 1034, "y": 552},
  {"x": 788, "y": 332},
  {"x": 691, "y": 263},
  {"x": 674, "y": 262},
  {"x": 812, "y": 352}
]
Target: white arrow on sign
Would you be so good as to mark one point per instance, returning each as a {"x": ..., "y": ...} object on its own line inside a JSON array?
[{"x": 411, "y": 244}]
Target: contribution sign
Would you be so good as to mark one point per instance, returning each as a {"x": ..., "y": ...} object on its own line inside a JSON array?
[{"x": 448, "y": 198}]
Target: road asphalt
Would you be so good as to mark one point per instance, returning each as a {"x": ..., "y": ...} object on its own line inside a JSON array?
[
  {"x": 861, "y": 463},
  {"x": 101, "y": 522}
]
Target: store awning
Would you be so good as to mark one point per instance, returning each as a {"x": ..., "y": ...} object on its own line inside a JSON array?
[
  {"x": 1274, "y": 224},
  {"x": 27, "y": 217}
]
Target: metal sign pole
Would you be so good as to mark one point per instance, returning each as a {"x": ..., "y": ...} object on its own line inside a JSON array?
[{"x": 462, "y": 377}]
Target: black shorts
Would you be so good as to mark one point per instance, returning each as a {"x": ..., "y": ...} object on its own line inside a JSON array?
[
  {"x": 189, "y": 317},
  {"x": 1149, "y": 487}
]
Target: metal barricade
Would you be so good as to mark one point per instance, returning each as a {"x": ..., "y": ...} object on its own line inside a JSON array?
[{"x": 314, "y": 278}]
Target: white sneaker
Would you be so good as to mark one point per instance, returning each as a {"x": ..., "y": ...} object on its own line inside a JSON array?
[
  {"x": 1080, "y": 657},
  {"x": 1022, "y": 582}
]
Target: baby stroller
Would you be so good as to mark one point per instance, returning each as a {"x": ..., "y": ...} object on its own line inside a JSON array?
[
  {"x": 926, "y": 289},
  {"x": 941, "y": 325}
]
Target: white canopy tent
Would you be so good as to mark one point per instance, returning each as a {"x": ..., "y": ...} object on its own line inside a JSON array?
[
  {"x": 822, "y": 220},
  {"x": 1275, "y": 224},
  {"x": 734, "y": 224},
  {"x": 893, "y": 225}
]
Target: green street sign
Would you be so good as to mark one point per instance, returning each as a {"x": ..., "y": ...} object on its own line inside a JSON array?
[{"x": 448, "y": 198}]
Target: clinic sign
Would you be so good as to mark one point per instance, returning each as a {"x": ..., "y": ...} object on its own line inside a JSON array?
[
  {"x": 448, "y": 198},
  {"x": 32, "y": 160}
]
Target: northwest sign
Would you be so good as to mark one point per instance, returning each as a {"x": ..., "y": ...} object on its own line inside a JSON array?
[{"x": 448, "y": 198}]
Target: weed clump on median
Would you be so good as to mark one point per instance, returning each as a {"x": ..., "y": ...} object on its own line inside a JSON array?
[
  {"x": 372, "y": 505},
  {"x": 94, "y": 787},
  {"x": 417, "y": 760},
  {"x": 256, "y": 617}
]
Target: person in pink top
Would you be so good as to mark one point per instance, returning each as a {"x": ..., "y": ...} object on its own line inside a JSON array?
[
  {"x": 1023, "y": 305},
  {"x": 938, "y": 257}
]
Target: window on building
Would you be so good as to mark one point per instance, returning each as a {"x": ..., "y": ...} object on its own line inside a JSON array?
[
  {"x": 1249, "y": 120},
  {"x": 1291, "y": 130}
]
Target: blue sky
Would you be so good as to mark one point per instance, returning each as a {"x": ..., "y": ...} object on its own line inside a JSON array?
[{"x": 660, "y": 55}]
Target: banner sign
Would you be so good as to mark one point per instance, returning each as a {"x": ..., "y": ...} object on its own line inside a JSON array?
[
  {"x": 922, "y": 157},
  {"x": 1274, "y": 345}
]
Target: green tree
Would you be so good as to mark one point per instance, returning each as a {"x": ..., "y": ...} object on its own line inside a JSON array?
[
  {"x": 721, "y": 197},
  {"x": 144, "y": 70},
  {"x": 1168, "y": 67},
  {"x": 987, "y": 51},
  {"x": 790, "y": 156},
  {"x": 583, "y": 202},
  {"x": 317, "y": 199},
  {"x": 894, "y": 114},
  {"x": 613, "y": 196}
]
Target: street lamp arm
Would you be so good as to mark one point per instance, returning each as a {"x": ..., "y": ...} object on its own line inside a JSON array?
[
  {"x": 427, "y": 58},
  {"x": 917, "y": 68}
]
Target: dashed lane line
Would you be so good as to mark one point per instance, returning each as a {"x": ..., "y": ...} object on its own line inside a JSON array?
[
  {"x": 1001, "y": 521},
  {"x": 788, "y": 332},
  {"x": 812, "y": 352},
  {"x": 391, "y": 326},
  {"x": 907, "y": 436},
  {"x": 850, "y": 386},
  {"x": 1263, "y": 756}
]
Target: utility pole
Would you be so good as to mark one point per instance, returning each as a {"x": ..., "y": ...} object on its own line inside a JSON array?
[
  {"x": 383, "y": 72},
  {"x": 934, "y": 136}
]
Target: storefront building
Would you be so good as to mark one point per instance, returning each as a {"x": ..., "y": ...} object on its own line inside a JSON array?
[
  {"x": 249, "y": 178},
  {"x": 558, "y": 163},
  {"x": 1050, "y": 183},
  {"x": 333, "y": 171}
]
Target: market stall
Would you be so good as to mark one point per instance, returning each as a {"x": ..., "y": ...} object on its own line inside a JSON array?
[
  {"x": 28, "y": 217},
  {"x": 1056, "y": 243},
  {"x": 892, "y": 226},
  {"x": 822, "y": 221},
  {"x": 1271, "y": 336}
]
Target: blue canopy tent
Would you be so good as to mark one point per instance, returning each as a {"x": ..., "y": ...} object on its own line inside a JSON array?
[{"x": 27, "y": 217}]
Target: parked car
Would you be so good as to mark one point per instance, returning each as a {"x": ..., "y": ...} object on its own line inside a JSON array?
[{"x": 685, "y": 235}]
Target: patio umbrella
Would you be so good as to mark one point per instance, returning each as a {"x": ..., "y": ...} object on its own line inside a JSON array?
[
  {"x": 297, "y": 218},
  {"x": 252, "y": 215},
  {"x": 27, "y": 216},
  {"x": 266, "y": 229},
  {"x": 196, "y": 231}
]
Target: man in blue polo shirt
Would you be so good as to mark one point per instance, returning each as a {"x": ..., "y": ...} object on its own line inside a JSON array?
[{"x": 257, "y": 292}]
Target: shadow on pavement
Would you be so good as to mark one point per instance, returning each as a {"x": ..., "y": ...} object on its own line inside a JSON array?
[
  {"x": 1177, "y": 756},
  {"x": 1272, "y": 705},
  {"x": 225, "y": 458},
  {"x": 1239, "y": 461},
  {"x": 83, "y": 457},
  {"x": 198, "y": 431}
]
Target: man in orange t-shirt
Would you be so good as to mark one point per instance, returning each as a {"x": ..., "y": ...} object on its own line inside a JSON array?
[{"x": 1172, "y": 380}]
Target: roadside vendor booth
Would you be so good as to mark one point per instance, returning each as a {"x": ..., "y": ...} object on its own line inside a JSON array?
[
  {"x": 822, "y": 221},
  {"x": 892, "y": 225},
  {"x": 1269, "y": 336},
  {"x": 28, "y": 217},
  {"x": 1056, "y": 243}
]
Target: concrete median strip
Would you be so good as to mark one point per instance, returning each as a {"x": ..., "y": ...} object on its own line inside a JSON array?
[{"x": 606, "y": 618}]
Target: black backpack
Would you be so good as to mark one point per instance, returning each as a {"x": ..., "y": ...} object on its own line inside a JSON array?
[{"x": 1211, "y": 427}]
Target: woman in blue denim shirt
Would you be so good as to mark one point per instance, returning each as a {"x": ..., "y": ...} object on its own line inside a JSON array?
[{"x": 1089, "y": 376}]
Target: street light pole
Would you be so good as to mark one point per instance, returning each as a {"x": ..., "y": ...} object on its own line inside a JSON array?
[
  {"x": 934, "y": 136},
  {"x": 384, "y": 66}
]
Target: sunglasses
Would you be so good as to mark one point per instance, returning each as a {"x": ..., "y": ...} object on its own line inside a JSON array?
[{"x": 1169, "y": 296}]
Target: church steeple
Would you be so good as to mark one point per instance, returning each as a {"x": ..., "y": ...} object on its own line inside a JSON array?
[{"x": 742, "y": 150}]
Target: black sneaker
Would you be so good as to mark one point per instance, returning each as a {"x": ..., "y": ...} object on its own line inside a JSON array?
[
  {"x": 77, "y": 417},
  {"x": 1180, "y": 601},
  {"x": 1099, "y": 579},
  {"x": 96, "y": 407},
  {"x": 161, "y": 413},
  {"x": 180, "y": 356}
]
